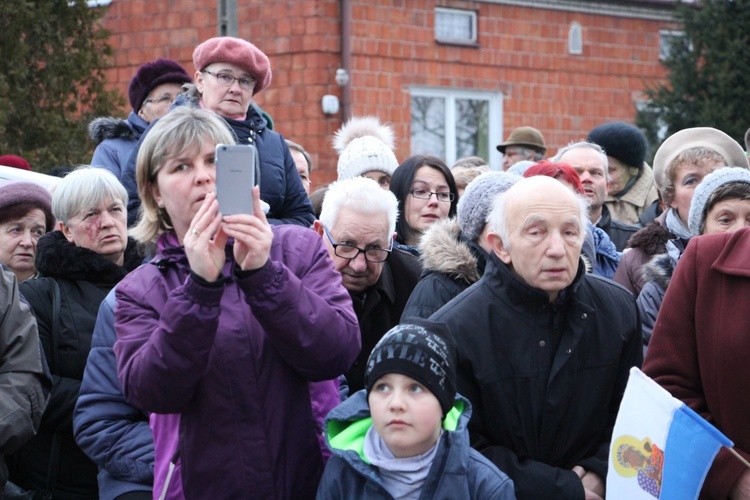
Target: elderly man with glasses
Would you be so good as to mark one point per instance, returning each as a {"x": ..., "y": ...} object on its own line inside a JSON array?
[{"x": 357, "y": 223}]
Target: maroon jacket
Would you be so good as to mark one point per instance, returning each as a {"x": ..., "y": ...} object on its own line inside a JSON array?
[
  {"x": 700, "y": 349},
  {"x": 234, "y": 360}
]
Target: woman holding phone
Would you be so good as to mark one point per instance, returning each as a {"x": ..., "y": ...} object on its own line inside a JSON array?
[
  {"x": 227, "y": 324},
  {"x": 229, "y": 72}
]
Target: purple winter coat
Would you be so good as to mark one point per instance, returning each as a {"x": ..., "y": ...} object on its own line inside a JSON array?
[{"x": 234, "y": 360}]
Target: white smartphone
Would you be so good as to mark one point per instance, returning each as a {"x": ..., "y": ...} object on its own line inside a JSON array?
[{"x": 235, "y": 178}]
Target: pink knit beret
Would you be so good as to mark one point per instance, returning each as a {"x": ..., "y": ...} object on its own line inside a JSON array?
[{"x": 244, "y": 54}]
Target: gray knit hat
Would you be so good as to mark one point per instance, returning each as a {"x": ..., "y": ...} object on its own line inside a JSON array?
[
  {"x": 477, "y": 201},
  {"x": 706, "y": 137},
  {"x": 363, "y": 145},
  {"x": 706, "y": 188}
]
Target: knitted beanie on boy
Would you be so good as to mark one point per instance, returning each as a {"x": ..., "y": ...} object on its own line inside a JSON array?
[
  {"x": 710, "y": 183},
  {"x": 364, "y": 145},
  {"x": 414, "y": 351}
]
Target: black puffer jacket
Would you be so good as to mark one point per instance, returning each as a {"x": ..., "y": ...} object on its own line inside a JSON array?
[
  {"x": 450, "y": 263},
  {"x": 545, "y": 379},
  {"x": 84, "y": 278}
]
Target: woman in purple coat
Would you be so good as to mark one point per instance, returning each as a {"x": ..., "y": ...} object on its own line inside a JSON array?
[{"x": 227, "y": 324}]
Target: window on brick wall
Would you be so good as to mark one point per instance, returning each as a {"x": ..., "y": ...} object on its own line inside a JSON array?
[
  {"x": 575, "y": 39},
  {"x": 451, "y": 124},
  {"x": 666, "y": 39},
  {"x": 455, "y": 26}
]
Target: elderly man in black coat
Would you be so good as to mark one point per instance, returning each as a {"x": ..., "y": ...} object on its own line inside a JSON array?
[{"x": 544, "y": 349}]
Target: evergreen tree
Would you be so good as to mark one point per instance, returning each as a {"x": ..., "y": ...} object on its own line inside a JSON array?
[
  {"x": 51, "y": 80},
  {"x": 708, "y": 72}
]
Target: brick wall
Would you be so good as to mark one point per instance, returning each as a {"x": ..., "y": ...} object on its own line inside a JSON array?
[{"x": 522, "y": 52}]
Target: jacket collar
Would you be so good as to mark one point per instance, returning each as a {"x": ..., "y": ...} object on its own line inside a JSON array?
[
  {"x": 500, "y": 277},
  {"x": 732, "y": 259},
  {"x": 446, "y": 250},
  {"x": 56, "y": 256}
]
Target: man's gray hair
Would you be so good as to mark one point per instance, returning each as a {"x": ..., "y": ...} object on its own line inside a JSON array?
[
  {"x": 360, "y": 195},
  {"x": 584, "y": 144},
  {"x": 498, "y": 222},
  {"x": 83, "y": 189}
]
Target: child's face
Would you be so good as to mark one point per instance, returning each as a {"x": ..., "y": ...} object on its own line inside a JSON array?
[{"x": 405, "y": 414}]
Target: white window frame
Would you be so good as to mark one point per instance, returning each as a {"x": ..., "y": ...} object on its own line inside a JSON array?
[
  {"x": 495, "y": 118},
  {"x": 575, "y": 38},
  {"x": 472, "y": 14},
  {"x": 667, "y": 36}
]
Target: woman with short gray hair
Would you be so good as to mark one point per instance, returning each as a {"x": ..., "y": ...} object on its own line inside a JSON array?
[{"x": 78, "y": 264}]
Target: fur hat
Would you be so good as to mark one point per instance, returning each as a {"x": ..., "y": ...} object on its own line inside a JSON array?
[
  {"x": 697, "y": 137},
  {"x": 227, "y": 49},
  {"x": 420, "y": 353},
  {"x": 622, "y": 141},
  {"x": 477, "y": 201},
  {"x": 16, "y": 192},
  {"x": 363, "y": 145},
  {"x": 15, "y": 162},
  {"x": 151, "y": 75},
  {"x": 706, "y": 188},
  {"x": 525, "y": 136}
]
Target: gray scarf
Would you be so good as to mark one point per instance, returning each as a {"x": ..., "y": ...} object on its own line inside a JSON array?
[
  {"x": 676, "y": 226},
  {"x": 403, "y": 478}
]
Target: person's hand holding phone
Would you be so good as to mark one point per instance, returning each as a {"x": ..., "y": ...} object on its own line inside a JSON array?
[
  {"x": 205, "y": 241},
  {"x": 252, "y": 236}
]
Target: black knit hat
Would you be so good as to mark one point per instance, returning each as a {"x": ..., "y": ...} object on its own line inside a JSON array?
[
  {"x": 622, "y": 141},
  {"x": 151, "y": 75},
  {"x": 420, "y": 352}
]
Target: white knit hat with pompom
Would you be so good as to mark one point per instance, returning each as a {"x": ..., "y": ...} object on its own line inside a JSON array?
[{"x": 364, "y": 144}]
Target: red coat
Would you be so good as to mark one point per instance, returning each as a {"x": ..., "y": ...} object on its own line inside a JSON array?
[{"x": 700, "y": 349}]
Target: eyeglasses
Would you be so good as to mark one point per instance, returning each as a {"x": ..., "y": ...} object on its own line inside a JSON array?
[
  {"x": 228, "y": 80},
  {"x": 423, "y": 194},
  {"x": 162, "y": 101},
  {"x": 351, "y": 252}
]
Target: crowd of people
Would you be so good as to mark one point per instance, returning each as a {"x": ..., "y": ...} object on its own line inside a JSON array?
[{"x": 412, "y": 330}]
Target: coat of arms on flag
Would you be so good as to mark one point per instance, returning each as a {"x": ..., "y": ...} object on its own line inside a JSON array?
[{"x": 660, "y": 448}]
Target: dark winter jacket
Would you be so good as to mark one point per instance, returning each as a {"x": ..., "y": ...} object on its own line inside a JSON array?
[
  {"x": 649, "y": 241},
  {"x": 233, "y": 358},
  {"x": 450, "y": 263},
  {"x": 280, "y": 184},
  {"x": 618, "y": 232},
  {"x": 379, "y": 309},
  {"x": 116, "y": 139},
  {"x": 657, "y": 273},
  {"x": 457, "y": 471},
  {"x": 545, "y": 379},
  {"x": 84, "y": 278},
  {"x": 23, "y": 373},
  {"x": 111, "y": 432}
]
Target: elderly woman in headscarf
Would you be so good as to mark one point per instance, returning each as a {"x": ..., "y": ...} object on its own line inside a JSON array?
[
  {"x": 680, "y": 165},
  {"x": 25, "y": 215},
  {"x": 229, "y": 72},
  {"x": 78, "y": 264}
]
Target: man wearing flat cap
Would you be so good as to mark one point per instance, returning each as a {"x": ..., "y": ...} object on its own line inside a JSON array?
[{"x": 523, "y": 144}]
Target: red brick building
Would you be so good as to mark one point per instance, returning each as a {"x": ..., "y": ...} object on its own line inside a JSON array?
[{"x": 563, "y": 66}]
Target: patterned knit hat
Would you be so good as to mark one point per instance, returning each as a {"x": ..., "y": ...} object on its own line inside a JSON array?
[
  {"x": 364, "y": 145},
  {"x": 417, "y": 352},
  {"x": 706, "y": 188},
  {"x": 477, "y": 201}
]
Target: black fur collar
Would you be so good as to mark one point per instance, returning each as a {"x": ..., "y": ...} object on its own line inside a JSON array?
[{"x": 56, "y": 256}]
